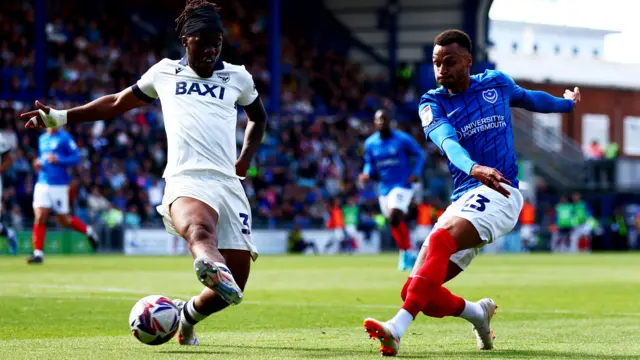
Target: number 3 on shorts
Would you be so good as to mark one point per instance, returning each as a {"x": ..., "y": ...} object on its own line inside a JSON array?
[
  {"x": 476, "y": 202},
  {"x": 245, "y": 223}
]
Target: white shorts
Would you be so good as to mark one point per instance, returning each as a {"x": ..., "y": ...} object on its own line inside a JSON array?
[
  {"x": 398, "y": 198},
  {"x": 223, "y": 194},
  {"x": 54, "y": 197},
  {"x": 492, "y": 214}
]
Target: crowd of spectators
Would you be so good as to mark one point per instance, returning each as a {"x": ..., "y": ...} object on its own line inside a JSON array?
[{"x": 311, "y": 154}]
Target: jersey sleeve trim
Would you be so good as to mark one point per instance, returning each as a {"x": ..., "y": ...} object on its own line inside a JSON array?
[
  {"x": 140, "y": 94},
  {"x": 250, "y": 102}
]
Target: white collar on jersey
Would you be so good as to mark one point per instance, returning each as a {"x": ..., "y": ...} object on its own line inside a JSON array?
[{"x": 219, "y": 65}]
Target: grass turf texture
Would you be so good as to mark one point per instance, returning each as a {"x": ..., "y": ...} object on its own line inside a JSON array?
[{"x": 550, "y": 307}]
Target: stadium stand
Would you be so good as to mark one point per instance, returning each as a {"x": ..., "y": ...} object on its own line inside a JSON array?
[{"x": 312, "y": 152}]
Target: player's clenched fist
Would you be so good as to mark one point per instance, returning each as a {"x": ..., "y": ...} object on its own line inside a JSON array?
[
  {"x": 363, "y": 178},
  {"x": 44, "y": 117},
  {"x": 572, "y": 95},
  {"x": 491, "y": 178}
]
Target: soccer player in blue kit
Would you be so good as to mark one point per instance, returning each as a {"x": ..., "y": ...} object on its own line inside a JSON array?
[
  {"x": 469, "y": 119},
  {"x": 57, "y": 152},
  {"x": 388, "y": 153}
]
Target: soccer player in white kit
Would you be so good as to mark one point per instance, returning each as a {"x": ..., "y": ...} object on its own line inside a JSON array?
[
  {"x": 8, "y": 143},
  {"x": 204, "y": 201}
]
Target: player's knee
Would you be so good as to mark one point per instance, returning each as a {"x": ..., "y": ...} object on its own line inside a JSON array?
[
  {"x": 40, "y": 218},
  {"x": 64, "y": 220},
  {"x": 463, "y": 231},
  {"x": 396, "y": 217},
  {"x": 198, "y": 233}
]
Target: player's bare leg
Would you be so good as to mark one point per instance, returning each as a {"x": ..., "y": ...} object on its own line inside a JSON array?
[
  {"x": 208, "y": 302},
  {"x": 74, "y": 223},
  {"x": 425, "y": 293},
  {"x": 38, "y": 235},
  {"x": 400, "y": 234},
  {"x": 197, "y": 221}
]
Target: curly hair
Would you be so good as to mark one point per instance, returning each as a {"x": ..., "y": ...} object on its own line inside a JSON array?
[{"x": 189, "y": 8}]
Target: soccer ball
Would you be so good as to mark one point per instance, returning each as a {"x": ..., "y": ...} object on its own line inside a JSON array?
[{"x": 154, "y": 320}]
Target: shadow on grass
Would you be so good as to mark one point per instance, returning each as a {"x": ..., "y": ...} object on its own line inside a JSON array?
[{"x": 319, "y": 353}]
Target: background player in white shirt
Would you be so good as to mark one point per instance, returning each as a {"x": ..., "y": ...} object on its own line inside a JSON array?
[
  {"x": 204, "y": 201},
  {"x": 8, "y": 143}
]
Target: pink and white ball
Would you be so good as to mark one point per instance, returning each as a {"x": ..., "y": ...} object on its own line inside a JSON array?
[{"x": 154, "y": 320}]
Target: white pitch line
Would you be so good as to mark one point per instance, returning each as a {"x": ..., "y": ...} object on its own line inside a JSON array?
[
  {"x": 257, "y": 303},
  {"x": 77, "y": 287}
]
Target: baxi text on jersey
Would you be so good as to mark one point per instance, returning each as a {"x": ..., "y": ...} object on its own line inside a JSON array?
[
  {"x": 484, "y": 124},
  {"x": 201, "y": 89}
]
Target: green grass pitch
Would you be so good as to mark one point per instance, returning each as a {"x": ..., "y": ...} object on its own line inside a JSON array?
[{"x": 550, "y": 307}]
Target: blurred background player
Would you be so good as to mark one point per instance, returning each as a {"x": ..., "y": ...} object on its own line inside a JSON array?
[
  {"x": 561, "y": 238},
  {"x": 351, "y": 215},
  {"x": 57, "y": 152},
  {"x": 581, "y": 226},
  {"x": 8, "y": 143},
  {"x": 388, "y": 154},
  {"x": 528, "y": 235},
  {"x": 469, "y": 119},
  {"x": 204, "y": 201},
  {"x": 297, "y": 244},
  {"x": 424, "y": 221}
]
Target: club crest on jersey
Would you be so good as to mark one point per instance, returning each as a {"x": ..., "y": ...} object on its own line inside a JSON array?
[
  {"x": 224, "y": 77},
  {"x": 490, "y": 95},
  {"x": 426, "y": 116},
  {"x": 201, "y": 89}
]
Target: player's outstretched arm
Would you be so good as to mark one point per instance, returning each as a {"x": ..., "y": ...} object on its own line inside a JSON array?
[
  {"x": 103, "y": 108},
  {"x": 253, "y": 135},
  {"x": 446, "y": 138},
  {"x": 542, "y": 102}
]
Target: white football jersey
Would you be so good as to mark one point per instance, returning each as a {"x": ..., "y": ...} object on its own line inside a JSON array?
[
  {"x": 8, "y": 141},
  {"x": 200, "y": 114}
]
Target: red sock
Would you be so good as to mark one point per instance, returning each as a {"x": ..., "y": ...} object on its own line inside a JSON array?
[
  {"x": 401, "y": 236},
  {"x": 77, "y": 225},
  {"x": 431, "y": 275},
  {"x": 444, "y": 303},
  {"x": 405, "y": 288},
  {"x": 38, "y": 235}
]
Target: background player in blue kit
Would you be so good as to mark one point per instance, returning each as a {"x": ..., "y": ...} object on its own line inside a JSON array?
[
  {"x": 388, "y": 154},
  {"x": 469, "y": 119},
  {"x": 57, "y": 152}
]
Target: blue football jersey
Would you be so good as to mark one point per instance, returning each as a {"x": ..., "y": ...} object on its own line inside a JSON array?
[
  {"x": 62, "y": 145},
  {"x": 481, "y": 116},
  {"x": 391, "y": 159}
]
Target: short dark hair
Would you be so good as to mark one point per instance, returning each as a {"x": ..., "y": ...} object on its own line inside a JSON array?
[
  {"x": 449, "y": 37},
  {"x": 384, "y": 113}
]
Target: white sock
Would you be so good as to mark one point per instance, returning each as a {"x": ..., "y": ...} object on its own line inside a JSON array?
[
  {"x": 190, "y": 316},
  {"x": 473, "y": 312},
  {"x": 38, "y": 253},
  {"x": 400, "y": 322}
]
